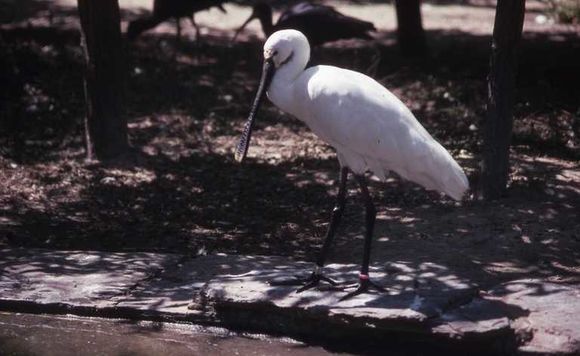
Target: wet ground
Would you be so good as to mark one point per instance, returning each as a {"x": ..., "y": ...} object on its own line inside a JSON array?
[{"x": 29, "y": 334}]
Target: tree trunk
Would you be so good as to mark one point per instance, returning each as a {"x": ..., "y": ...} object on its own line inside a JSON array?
[
  {"x": 507, "y": 31},
  {"x": 105, "y": 123},
  {"x": 410, "y": 33}
]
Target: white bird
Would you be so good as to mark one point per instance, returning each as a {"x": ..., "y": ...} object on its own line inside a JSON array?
[{"x": 370, "y": 128}]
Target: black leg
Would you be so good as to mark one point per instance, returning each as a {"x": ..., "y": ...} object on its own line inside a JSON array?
[
  {"x": 196, "y": 27},
  {"x": 364, "y": 281},
  {"x": 336, "y": 217},
  {"x": 316, "y": 276},
  {"x": 178, "y": 26},
  {"x": 370, "y": 217}
]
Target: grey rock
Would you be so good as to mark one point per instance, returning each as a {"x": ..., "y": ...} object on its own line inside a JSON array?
[
  {"x": 551, "y": 322},
  {"x": 426, "y": 303},
  {"x": 76, "y": 278}
]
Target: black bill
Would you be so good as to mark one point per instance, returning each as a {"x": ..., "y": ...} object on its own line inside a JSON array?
[{"x": 267, "y": 74}]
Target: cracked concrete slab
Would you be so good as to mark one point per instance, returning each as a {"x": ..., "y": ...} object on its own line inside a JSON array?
[
  {"x": 404, "y": 300},
  {"x": 422, "y": 305},
  {"x": 172, "y": 291},
  {"x": 425, "y": 304},
  {"x": 551, "y": 322},
  {"x": 77, "y": 278}
]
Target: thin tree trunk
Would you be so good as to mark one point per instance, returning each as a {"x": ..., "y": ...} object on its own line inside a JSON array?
[
  {"x": 410, "y": 33},
  {"x": 105, "y": 124},
  {"x": 507, "y": 32}
]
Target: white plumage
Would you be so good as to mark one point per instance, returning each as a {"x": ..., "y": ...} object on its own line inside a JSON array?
[{"x": 370, "y": 127}]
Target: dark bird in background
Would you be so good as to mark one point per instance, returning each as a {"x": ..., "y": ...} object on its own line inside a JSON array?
[
  {"x": 319, "y": 23},
  {"x": 164, "y": 10}
]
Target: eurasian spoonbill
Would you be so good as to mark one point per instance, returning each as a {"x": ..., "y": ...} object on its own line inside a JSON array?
[{"x": 370, "y": 128}]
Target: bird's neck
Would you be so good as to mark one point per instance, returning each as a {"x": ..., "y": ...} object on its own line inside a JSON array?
[
  {"x": 267, "y": 25},
  {"x": 288, "y": 73},
  {"x": 287, "y": 76},
  {"x": 282, "y": 89}
]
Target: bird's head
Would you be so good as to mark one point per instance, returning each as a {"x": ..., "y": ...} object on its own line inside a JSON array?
[
  {"x": 281, "y": 46},
  {"x": 279, "y": 50}
]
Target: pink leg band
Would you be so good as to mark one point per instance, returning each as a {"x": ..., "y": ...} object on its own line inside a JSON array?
[{"x": 363, "y": 276}]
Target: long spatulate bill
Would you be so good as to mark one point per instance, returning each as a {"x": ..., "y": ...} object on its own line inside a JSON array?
[{"x": 267, "y": 74}]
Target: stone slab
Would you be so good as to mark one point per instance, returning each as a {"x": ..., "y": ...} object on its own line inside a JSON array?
[
  {"x": 205, "y": 282},
  {"x": 425, "y": 303},
  {"x": 550, "y": 321},
  {"x": 418, "y": 304},
  {"x": 76, "y": 278},
  {"x": 403, "y": 301},
  {"x": 172, "y": 291}
]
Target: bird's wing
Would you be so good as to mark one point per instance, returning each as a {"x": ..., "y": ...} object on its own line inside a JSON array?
[
  {"x": 372, "y": 129},
  {"x": 304, "y": 8},
  {"x": 353, "y": 110},
  {"x": 342, "y": 19},
  {"x": 308, "y": 17},
  {"x": 182, "y": 8}
]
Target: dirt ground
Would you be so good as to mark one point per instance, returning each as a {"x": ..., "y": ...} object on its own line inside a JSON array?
[{"x": 181, "y": 191}]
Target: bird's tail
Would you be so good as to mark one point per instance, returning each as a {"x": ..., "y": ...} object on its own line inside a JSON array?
[
  {"x": 452, "y": 180},
  {"x": 457, "y": 183},
  {"x": 436, "y": 170}
]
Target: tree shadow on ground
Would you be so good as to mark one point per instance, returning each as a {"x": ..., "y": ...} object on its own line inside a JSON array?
[{"x": 186, "y": 104}]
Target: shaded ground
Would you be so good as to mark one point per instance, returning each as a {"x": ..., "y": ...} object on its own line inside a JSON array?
[{"x": 186, "y": 104}]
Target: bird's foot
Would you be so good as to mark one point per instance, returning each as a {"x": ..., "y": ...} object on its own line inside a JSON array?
[
  {"x": 309, "y": 282},
  {"x": 363, "y": 286}
]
